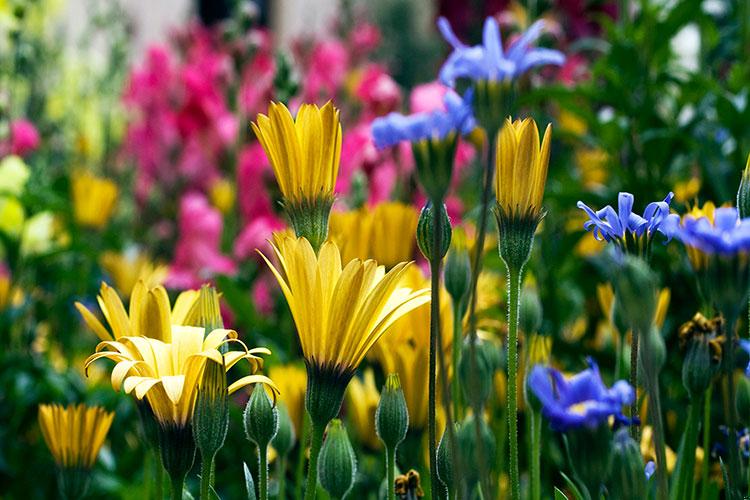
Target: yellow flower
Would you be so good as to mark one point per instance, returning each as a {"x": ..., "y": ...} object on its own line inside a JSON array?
[
  {"x": 521, "y": 168},
  {"x": 149, "y": 313},
  {"x": 13, "y": 175},
  {"x": 12, "y": 216},
  {"x": 167, "y": 374},
  {"x": 648, "y": 450},
  {"x": 93, "y": 199},
  {"x": 368, "y": 233},
  {"x": 571, "y": 123},
  {"x": 304, "y": 152},
  {"x": 339, "y": 312},
  {"x": 362, "y": 398},
  {"x": 41, "y": 233},
  {"x": 130, "y": 266},
  {"x": 685, "y": 191},
  {"x": 222, "y": 195},
  {"x": 539, "y": 349},
  {"x": 74, "y": 434},
  {"x": 592, "y": 164},
  {"x": 292, "y": 381}
]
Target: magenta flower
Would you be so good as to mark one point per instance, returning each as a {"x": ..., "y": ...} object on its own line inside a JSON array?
[{"x": 24, "y": 138}]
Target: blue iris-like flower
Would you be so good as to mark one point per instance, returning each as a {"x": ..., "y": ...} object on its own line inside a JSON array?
[
  {"x": 728, "y": 235},
  {"x": 649, "y": 469},
  {"x": 395, "y": 127},
  {"x": 582, "y": 400},
  {"x": 488, "y": 61},
  {"x": 610, "y": 225}
]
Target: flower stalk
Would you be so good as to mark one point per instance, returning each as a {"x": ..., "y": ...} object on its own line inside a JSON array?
[{"x": 317, "y": 432}]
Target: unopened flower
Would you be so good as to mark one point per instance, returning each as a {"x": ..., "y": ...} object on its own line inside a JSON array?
[{"x": 94, "y": 199}]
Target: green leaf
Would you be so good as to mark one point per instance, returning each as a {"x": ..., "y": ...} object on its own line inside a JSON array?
[
  {"x": 573, "y": 487},
  {"x": 249, "y": 483},
  {"x": 559, "y": 495}
]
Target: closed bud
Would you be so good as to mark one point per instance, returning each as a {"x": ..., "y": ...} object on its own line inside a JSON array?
[
  {"x": 261, "y": 418},
  {"x": 209, "y": 313},
  {"x": 467, "y": 445},
  {"x": 457, "y": 274},
  {"x": 653, "y": 353},
  {"x": 211, "y": 415},
  {"x": 445, "y": 460},
  {"x": 743, "y": 400},
  {"x": 591, "y": 451},
  {"x": 635, "y": 288},
  {"x": 743, "y": 193},
  {"x": 628, "y": 479},
  {"x": 699, "y": 367},
  {"x": 392, "y": 416},
  {"x": 337, "y": 464},
  {"x": 434, "y": 161},
  {"x": 530, "y": 314},
  {"x": 286, "y": 437},
  {"x": 476, "y": 376},
  {"x": 425, "y": 230}
]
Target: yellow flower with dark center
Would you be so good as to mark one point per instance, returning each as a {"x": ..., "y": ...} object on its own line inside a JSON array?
[
  {"x": 304, "y": 151},
  {"x": 521, "y": 168},
  {"x": 167, "y": 374},
  {"x": 74, "y": 434},
  {"x": 94, "y": 199},
  {"x": 128, "y": 267},
  {"x": 292, "y": 381},
  {"x": 149, "y": 313},
  {"x": 370, "y": 233},
  {"x": 362, "y": 397}
]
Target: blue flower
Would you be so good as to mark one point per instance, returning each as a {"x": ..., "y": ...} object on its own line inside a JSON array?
[
  {"x": 649, "y": 469},
  {"x": 582, "y": 400},
  {"x": 728, "y": 235},
  {"x": 610, "y": 225},
  {"x": 395, "y": 127},
  {"x": 488, "y": 61},
  {"x": 745, "y": 346}
]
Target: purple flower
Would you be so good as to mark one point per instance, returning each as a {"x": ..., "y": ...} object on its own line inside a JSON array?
[
  {"x": 745, "y": 346},
  {"x": 728, "y": 235},
  {"x": 395, "y": 127},
  {"x": 650, "y": 469},
  {"x": 582, "y": 400},
  {"x": 610, "y": 225},
  {"x": 488, "y": 61}
]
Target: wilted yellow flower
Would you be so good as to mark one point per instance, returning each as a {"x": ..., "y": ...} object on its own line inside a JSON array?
[
  {"x": 304, "y": 152},
  {"x": 369, "y": 233},
  {"x": 149, "y": 313},
  {"x": 222, "y": 195},
  {"x": 292, "y": 382},
  {"x": 521, "y": 168},
  {"x": 93, "y": 199},
  {"x": 74, "y": 434},
  {"x": 362, "y": 398},
  {"x": 13, "y": 175},
  {"x": 12, "y": 216},
  {"x": 130, "y": 266},
  {"x": 167, "y": 374}
]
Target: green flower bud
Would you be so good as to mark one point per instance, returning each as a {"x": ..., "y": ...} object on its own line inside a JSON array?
[
  {"x": 743, "y": 193},
  {"x": 530, "y": 314},
  {"x": 392, "y": 416},
  {"x": 211, "y": 415},
  {"x": 337, "y": 463},
  {"x": 653, "y": 352},
  {"x": 699, "y": 367},
  {"x": 209, "y": 312},
  {"x": 286, "y": 437},
  {"x": 591, "y": 452},
  {"x": 434, "y": 161},
  {"x": 445, "y": 460},
  {"x": 635, "y": 287},
  {"x": 493, "y": 101},
  {"x": 467, "y": 445},
  {"x": 477, "y": 386},
  {"x": 261, "y": 418},
  {"x": 425, "y": 231},
  {"x": 627, "y": 480},
  {"x": 743, "y": 400},
  {"x": 457, "y": 274}
]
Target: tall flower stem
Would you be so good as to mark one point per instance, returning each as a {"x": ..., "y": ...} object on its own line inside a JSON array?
[
  {"x": 684, "y": 478},
  {"x": 158, "y": 475},
  {"x": 312, "y": 470},
  {"x": 654, "y": 403},
  {"x": 299, "y": 473},
  {"x": 514, "y": 296},
  {"x": 734, "y": 461},
  {"x": 634, "y": 429},
  {"x": 177, "y": 485},
  {"x": 706, "y": 441},
  {"x": 207, "y": 465},
  {"x": 281, "y": 473},
  {"x": 456, "y": 354},
  {"x": 536, "y": 443},
  {"x": 390, "y": 471},
  {"x": 263, "y": 472}
]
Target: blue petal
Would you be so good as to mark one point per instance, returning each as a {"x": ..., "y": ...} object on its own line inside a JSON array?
[
  {"x": 649, "y": 469},
  {"x": 448, "y": 34}
]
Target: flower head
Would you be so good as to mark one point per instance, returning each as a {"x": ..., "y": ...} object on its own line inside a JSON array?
[
  {"x": 582, "y": 400},
  {"x": 488, "y": 61},
  {"x": 74, "y": 434},
  {"x": 628, "y": 230},
  {"x": 723, "y": 234},
  {"x": 94, "y": 199}
]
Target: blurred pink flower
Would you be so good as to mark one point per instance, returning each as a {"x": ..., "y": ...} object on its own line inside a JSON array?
[
  {"x": 256, "y": 88},
  {"x": 364, "y": 38},
  {"x": 325, "y": 70},
  {"x": 262, "y": 296},
  {"x": 197, "y": 255},
  {"x": 253, "y": 169},
  {"x": 378, "y": 91},
  {"x": 255, "y": 236},
  {"x": 24, "y": 137},
  {"x": 427, "y": 97}
]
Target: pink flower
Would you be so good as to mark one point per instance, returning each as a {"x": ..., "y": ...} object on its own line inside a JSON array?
[
  {"x": 326, "y": 70},
  {"x": 427, "y": 97},
  {"x": 364, "y": 38},
  {"x": 197, "y": 255},
  {"x": 253, "y": 169},
  {"x": 382, "y": 182},
  {"x": 262, "y": 296},
  {"x": 378, "y": 91},
  {"x": 256, "y": 88},
  {"x": 24, "y": 137},
  {"x": 255, "y": 236}
]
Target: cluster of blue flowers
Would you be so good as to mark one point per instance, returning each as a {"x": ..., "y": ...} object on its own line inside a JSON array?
[{"x": 728, "y": 235}]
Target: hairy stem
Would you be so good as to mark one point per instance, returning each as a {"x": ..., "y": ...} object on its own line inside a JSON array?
[
  {"x": 312, "y": 470},
  {"x": 514, "y": 295}
]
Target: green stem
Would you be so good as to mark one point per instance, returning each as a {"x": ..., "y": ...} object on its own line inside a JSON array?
[
  {"x": 312, "y": 470},
  {"x": 177, "y": 485},
  {"x": 207, "y": 464},
  {"x": 706, "y": 442},
  {"x": 684, "y": 477},
  {"x": 158, "y": 475},
  {"x": 514, "y": 296},
  {"x": 634, "y": 429},
  {"x": 431, "y": 423},
  {"x": 536, "y": 444},
  {"x": 263, "y": 472},
  {"x": 456, "y": 354},
  {"x": 659, "y": 445},
  {"x": 300, "y": 471},
  {"x": 390, "y": 471},
  {"x": 281, "y": 473},
  {"x": 734, "y": 462}
]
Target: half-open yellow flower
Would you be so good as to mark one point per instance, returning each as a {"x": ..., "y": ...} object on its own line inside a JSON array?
[
  {"x": 128, "y": 267},
  {"x": 93, "y": 199},
  {"x": 74, "y": 434},
  {"x": 167, "y": 375},
  {"x": 521, "y": 168},
  {"x": 304, "y": 151},
  {"x": 149, "y": 313}
]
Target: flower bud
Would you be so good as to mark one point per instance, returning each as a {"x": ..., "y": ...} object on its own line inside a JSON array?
[
  {"x": 211, "y": 415},
  {"x": 457, "y": 274},
  {"x": 286, "y": 437},
  {"x": 698, "y": 367},
  {"x": 209, "y": 312},
  {"x": 635, "y": 288},
  {"x": 261, "y": 418},
  {"x": 591, "y": 452},
  {"x": 445, "y": 460},
  {"x": 530, "y": 314},
  {"x": 434, "y": 162},
  {"x": 628, "y": 479},
  {"x": 467, "y": 444},
  {"x": 653, "y": 352},
  {"x": 743, "y": 193},
  {"x": 337, "y": 464},
  {"x": 476, "y": 381},
  {"x": 392, "y": 416},
  {"x": 425, "y": 231}
]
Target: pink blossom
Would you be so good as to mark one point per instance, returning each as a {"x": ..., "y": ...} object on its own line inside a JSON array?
[
  {"x": 378, "y": 91},
  {"x": 364, "y": 38},
  {"x": 262, "y": 296},
  {"x": 382, "y": 181},
  {"x": 255, "y": 236},
  {"x": 24, "y": 137},
  {"x": 326, "y": 70},
  {"x": 197, "y": 256},
  {"x": 427, "y": 97},
  {"x": 253, "y": 170},
  {"x": 256, "y": 88}
]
